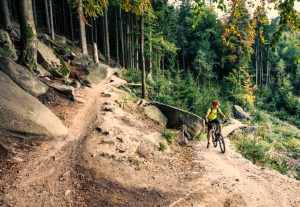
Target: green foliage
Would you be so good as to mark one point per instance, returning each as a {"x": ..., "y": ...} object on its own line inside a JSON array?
[
  {"x": 170, "y": 136},
  {"x": 162, "y": 146},
  {"x": 252, "y": 150},
  {"x": 296, "y": 154},
  {"x": 201, "y": 137},
  {"x": 298, "y": 173},
  {"x": 91, "y": 8},
  {"x": 275, "y": 144},
  {"x": 131, "y": 75},
  {"x": 280, "y": 166}
]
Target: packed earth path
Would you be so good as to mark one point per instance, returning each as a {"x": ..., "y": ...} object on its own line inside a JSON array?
[
  {"x": 111, "y": 157},
  {"x": 231, "y": 180}
]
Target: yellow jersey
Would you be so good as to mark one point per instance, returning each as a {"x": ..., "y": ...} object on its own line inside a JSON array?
[{"x": 213, "y": 113}]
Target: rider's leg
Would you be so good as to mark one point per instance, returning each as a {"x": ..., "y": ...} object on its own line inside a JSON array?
[{"x": 208, "y": 135}]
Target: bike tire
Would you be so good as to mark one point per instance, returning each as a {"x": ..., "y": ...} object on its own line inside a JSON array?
[
  {"x": 215, "y": 143},
  {"x": 222, "y": 144}
]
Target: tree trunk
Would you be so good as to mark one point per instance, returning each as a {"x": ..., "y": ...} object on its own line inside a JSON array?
[
  {"x": 106, "y": 36},
  {"x": 51, "y": 20},
  {"x": 150, "y": 58},
  {"x": 47, "y": 17},
  {"x": 64, "y": 18},
  {"x": 177, "y": 64},
  {"x": 95, "y": 53},
  {"x": 261, "y": 67},
  {"x": 5, "y": 19},
  {"x": 96, "y": 31},
  {"x": 256, "y": 65},
  {"x": 127, "y": 42},
  {"x": 28, "y": 55},
  {"x": 121, "y": 35},
  {"x": 183, "y": 60},
  {"x": 117, "y": 38},
  {"x": 142, "y": 65},
  {"x": 71, "y": 25},
  {"x": 34, "y": 12},
  {"x": 82, "y": 30},
  {"x": 267, "y": 78}
]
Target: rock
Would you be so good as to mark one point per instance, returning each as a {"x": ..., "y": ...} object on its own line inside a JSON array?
[
  {"x": 178, "y": 117},
  {"x": 97, "y": 73},
  {"x": 51, "y": 62},
  {"x": 156, "y": 115},
  {"x": 121, "y": 149},
  {"x": 76, "y": 84},
  {"x": 24, "y": 78},
  {"x": 65, "y": 176},
  {"x": 42, "y": 72},
  {"x": 66, "y": 90},
  {"x": 120, "y": 139},
  {"x": 239, "y": 113},
  {"x": 68, "y": 192},
  {"x": 82, "y": 60},
  {"x": 7, "y": 48},
  {"x": 108, "y": 109},
  {"x": 105, "y": 94},
  {"x": 22, "y": 113},
  {"x": 250, "y": 129},
  {"x": 67, "y": 82}
]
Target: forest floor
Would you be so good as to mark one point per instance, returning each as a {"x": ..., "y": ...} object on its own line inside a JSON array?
[{"x": 111, "y": 157}]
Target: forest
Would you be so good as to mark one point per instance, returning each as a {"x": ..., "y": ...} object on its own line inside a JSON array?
[
  {"x": 184, "y": 54},
  {"x": 240, "y": 57}
]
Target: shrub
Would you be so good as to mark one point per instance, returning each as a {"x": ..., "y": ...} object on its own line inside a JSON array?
[
  {"x": 280, "y": 166},
  {"x": 162, "y": 146},
  {"x": 252, "y": 150},
  {"x": 298, "y": 173},
  {"x": 296, "y": 154},
  {"x": 170, "y": 136},
  {"x": 131, "y": 75}
]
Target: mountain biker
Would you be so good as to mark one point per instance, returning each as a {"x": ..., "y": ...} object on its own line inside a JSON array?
[{"x": 211, "y": 118}]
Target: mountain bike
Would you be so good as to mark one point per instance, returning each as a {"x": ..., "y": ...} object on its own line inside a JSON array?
[{"x": 218, "y": 137}]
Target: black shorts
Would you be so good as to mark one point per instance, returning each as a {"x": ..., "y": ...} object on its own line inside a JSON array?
[{"x": 212, "y": 123}]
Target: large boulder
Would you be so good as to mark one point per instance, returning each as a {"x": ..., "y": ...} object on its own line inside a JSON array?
[
  {"x": 21, "y": 112},
  {"x": 156, "y": 115},
  {"x": 178, "y": 117},
  {"x": 83, "y": 60},
  {"x": 24, "y": 78},
  {"x": 7, "y": 48},
  {"x": 239, "y": 113},
  {"x": 50, "y": 61},
  {"x": 97, "y": 73}
]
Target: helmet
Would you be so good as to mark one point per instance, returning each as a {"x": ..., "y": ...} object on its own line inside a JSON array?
[{"x": 215, "y": 103}]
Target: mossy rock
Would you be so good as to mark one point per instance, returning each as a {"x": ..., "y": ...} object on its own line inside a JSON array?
[
  {"x": 51, "y": 61},
  {"x": 23, "y": 113},
  {"x": 96, "y": 74},
  {"x": 7, "y": 48}
]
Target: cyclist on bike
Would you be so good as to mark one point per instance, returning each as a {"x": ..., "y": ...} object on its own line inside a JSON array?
[{"x": 211, "y": 118}]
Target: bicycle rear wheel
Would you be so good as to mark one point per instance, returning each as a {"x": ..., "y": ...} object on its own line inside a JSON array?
[
  {"x": 215, "y": 143},
  {"x": 222, "y": 143}
]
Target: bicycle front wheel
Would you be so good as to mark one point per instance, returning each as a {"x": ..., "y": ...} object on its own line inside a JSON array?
[{"x": 222, "y": 144}]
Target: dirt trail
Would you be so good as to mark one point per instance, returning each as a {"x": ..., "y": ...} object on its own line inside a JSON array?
[
  {"x": 231, "y": 180},
  {"x": 111, "y": 157},
  {"x": 45, "y": 179}
]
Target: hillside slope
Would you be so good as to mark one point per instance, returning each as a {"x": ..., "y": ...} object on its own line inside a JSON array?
[{"x": 111, "y": 157}]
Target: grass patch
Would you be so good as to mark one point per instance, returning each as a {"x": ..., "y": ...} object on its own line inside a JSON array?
[
  {"x": 170, "y": 136},
  {"x": 162, "y": 146}
]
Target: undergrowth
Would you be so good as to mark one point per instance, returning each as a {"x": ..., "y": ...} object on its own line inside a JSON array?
[{"x": 275, "y": 144}]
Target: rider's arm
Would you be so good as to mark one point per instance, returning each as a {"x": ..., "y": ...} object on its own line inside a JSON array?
[
  {"x": 206, "y": 118},
  {"x": 223, "y": 115}
]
